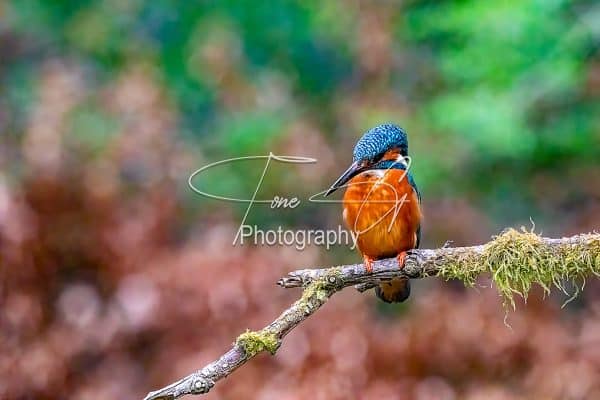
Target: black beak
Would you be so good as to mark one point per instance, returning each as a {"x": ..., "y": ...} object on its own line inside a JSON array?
[{"x": 354, "y": 169}]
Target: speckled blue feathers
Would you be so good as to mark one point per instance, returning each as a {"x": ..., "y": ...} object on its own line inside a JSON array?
[{"x": 378, "y": 140}]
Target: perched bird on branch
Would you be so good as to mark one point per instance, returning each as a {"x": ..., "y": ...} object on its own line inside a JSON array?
[{"x": 382, "y": 203}]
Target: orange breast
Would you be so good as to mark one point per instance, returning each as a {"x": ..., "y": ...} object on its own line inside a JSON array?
[{"x": 382, "y": 208}]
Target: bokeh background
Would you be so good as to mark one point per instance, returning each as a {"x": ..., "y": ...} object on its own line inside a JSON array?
[{"x": 116, "y": 279}]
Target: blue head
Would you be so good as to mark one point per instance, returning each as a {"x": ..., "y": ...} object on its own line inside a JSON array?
[
  {"x": 378, "y": 148},
  {"x": 379, "y": 140}
]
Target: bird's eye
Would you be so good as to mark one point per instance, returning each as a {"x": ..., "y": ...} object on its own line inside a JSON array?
[{"x": 378, "y": 157}]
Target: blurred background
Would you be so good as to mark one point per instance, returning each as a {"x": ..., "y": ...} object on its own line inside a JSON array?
[{"x": 116, "y": 279}]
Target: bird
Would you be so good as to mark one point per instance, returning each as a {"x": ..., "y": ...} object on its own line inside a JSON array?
[{"x": 382, "y": 204}]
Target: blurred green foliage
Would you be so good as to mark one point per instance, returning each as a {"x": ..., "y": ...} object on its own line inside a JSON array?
[{"x": 490, "y": 91}]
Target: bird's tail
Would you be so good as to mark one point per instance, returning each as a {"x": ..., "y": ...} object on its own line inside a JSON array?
[{"x": 395, "y": 291}]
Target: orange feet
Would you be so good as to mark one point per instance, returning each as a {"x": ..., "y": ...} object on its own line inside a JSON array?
[
  {"x": 401, "y": 258},
  {"x": 368, "y": 264}
]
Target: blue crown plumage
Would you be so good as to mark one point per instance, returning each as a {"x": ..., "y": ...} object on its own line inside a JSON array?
[{"x": 378, "y": 140}]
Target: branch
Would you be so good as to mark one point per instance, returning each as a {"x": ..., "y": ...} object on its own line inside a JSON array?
[{"x": 515, "y": 260}]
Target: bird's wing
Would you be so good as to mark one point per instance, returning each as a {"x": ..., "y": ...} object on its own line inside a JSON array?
[{"x": 416, "y": 189}]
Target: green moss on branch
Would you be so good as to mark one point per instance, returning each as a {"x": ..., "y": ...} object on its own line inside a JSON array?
[
  {"x": 255, "y": 342},
  {"x": 517, "y": 260},
  {"x": 320, "y": 289}
]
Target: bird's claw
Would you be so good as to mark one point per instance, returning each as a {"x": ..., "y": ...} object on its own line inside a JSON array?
[
  {"x": 368, "y": 264},
  {"x": 401, "y": 259}
]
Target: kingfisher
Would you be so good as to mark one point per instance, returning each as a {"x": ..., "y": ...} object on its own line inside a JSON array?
[{"x": 382, "y": 204}]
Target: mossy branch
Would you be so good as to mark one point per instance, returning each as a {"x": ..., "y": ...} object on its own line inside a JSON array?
[{"x": 516, "y": 260}]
